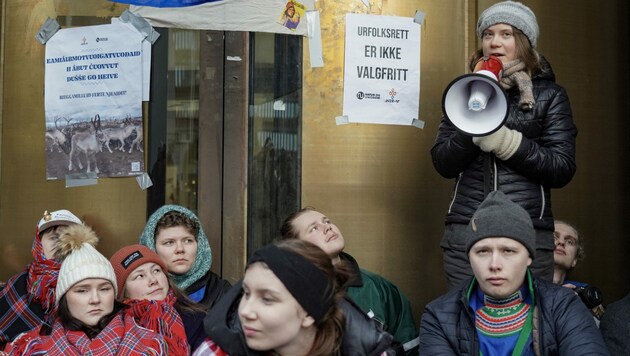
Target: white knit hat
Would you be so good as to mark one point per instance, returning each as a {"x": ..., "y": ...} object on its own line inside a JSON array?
[
  {"x": 81, "y": 260},
  {"x": 512, "y": 13}
]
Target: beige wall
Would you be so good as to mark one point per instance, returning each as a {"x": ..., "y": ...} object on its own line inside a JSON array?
[
  {"x": 587, "y": 44},
  {"x": 378, "y": 184},
  {"x": 116, "y": 208},
  {"x": 375, "y": 181}
]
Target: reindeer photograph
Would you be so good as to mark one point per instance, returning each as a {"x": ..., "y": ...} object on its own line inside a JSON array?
[
  {"x": 119, "y": 134},
  {"x": 104, "y": 146},
  {"x": 138, "y": 141},
  {"x": 59, "y": 137},
  {"x": 87, "y": 143}
]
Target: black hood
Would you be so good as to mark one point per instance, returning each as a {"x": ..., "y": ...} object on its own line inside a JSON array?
[{"x": 223, "y": 326}]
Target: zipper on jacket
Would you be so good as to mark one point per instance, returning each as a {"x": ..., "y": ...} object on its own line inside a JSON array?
[
  {"x": 459, "y": 178},
  {"x": 495, "y": 174},
  {"x": 490, "y": 174},
  {"x": 542, "y": 208}
]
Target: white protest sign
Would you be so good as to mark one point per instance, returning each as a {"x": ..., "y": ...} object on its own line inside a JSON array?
[
  {"x": 146, "y": 62},
  {"x": 94, "y": 68},
  {"x": 382, "y": 69},
  {"x": 94, "y": 83}
]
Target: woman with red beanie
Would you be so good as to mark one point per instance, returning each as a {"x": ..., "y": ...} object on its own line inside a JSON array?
[
  {"x": 88, "y": 318},
  {"x": 155, "y": 302}
]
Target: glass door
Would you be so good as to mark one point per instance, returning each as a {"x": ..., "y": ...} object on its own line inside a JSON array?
[
  {"x": 224, "y": 135},
  {"x": 275, "y": 134}
]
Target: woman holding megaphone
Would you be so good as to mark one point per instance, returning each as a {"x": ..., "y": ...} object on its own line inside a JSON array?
[{"x": 530, "y": 151}]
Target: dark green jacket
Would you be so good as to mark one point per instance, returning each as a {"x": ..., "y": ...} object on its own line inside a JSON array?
[{"x": 385, "y": 303}]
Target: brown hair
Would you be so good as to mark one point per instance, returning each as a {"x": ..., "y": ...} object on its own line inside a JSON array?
[
  {"x": 524, "y": 51},
  {"x": 50, "y": 229},
  {"x": 330, "y": 329},
  {"x": 287, "y": 230},
  {"x": 175, "y": 218},
  {"x": 579, "y": 243},
  {"x": 182, "y": 302},
  {"x": 69, "y": 322}
]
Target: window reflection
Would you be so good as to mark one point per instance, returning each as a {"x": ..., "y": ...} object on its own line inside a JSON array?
[
  {"x": 182, "y": 118},
  {"x": 274, "y": 131},
  {"x": 275, "y": 127}
]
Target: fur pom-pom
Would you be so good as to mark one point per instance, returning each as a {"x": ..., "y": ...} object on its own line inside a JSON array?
[{"x": 72, "y": 238}]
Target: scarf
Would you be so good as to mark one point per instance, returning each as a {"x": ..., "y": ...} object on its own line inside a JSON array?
[
  {"x": 203, "y": 261},
  {"x": 514, "y": 74},
  {"x": 209, "y": 348},
  {"x": 42, "y": 277},
  {"x": 28, "y": 299},
  {"x": 21, "y": 342},
  {"x": 161, "y": 317},
  {"x": 19, "y": 313},
  {"x": 120, "y": 337}
]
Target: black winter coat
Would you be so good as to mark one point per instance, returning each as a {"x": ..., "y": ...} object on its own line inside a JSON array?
[
  {"x": 615, "y": 326},
  {"x": 193, "y": 325},
  {"x": 562, "y": 324},
  {"x": 362, "y": 336},
  {"x": 545, "y": 158},
  {"x": 215, "y": 288}
]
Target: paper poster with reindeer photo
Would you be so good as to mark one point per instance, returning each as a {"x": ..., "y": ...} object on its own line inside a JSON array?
[{"x": 93, "y": 102}]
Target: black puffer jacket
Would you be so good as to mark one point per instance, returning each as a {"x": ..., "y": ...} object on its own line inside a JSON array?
[
  {"x": 362, "y": 336},
  {"x": 545, "y": 158},
  {"x": 562, "y": 324}
]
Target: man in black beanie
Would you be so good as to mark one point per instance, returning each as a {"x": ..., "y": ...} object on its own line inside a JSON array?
[{"x": 503, "y": 309}]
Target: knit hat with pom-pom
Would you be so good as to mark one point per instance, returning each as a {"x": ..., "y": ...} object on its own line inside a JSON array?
[{"x": 81, "y": 260}]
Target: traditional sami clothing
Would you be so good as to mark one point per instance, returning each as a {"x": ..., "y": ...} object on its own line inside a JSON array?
[
  {"x": 29, "y": 297},
  {"x": 561, "y": 324},
  {"x": 161, "y": 317},
  {"x": 122, "y": 336},
  {"x": 504, "y": 326},
  {"x": 209, "y": 348}
]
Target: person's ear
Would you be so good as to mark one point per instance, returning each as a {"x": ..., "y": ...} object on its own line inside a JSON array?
[
  {"x": 307, "y": 321},
  {"x": 529, "y": 261},
  {"x": 574, "y": 262}
]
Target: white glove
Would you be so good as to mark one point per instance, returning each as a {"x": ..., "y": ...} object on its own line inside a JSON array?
[{"x": 503, "y": 143}]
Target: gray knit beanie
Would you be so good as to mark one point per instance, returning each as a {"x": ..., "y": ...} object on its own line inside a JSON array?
[
  {"x": 498, "y": 216},
  {"x": 512, "y": 13}
]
